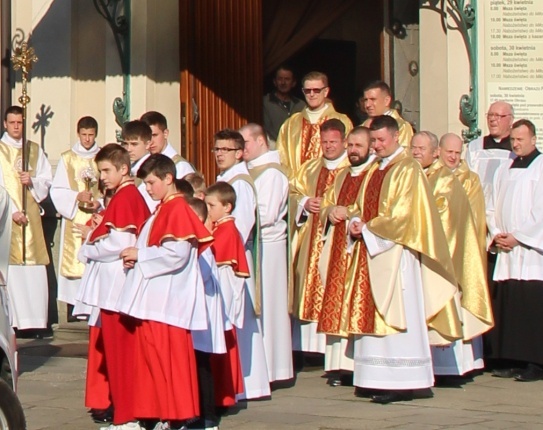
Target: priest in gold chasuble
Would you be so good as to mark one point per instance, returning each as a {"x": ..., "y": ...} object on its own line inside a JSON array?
[
  {"x": 405, "y": 260},
  {"x": 339, "y": 204},
  {"x": 468, "y": 259},
  {"x": 299, "y": 136},
  {"x": 306, "y": 193}
]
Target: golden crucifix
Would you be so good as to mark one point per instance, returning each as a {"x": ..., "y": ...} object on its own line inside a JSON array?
[{"x": 23, "y": 57}]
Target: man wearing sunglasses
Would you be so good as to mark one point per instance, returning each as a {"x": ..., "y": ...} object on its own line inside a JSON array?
[
  {"x": 377, "y": 99},
  {"x": 299, "y": 137}
]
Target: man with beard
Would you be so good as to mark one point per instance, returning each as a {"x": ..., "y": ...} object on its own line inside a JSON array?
[
  {"x": 339, "y": 317},
  {"x": 280, "y": 104}
]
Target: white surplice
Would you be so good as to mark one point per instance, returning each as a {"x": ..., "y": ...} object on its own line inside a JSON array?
[
  {"x": 403, "y": 360},
  {"x": 165, "y": 284},
  {"x": 250, "y": 342},
  {"x": 66, "y": 204},
  {"x": 104, "y": 274},
  {"x": 183, "y": 167},
  {"x": 484, "y": 162},
  {"x": 272, "y": 194},
  {"x": 27, "y": 285},
  {"x": 516, "y": 207},
  {"x": 212, "y": 339}
]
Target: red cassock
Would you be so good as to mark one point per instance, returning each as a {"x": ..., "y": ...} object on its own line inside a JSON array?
[
  {"x": 126, "y": 211},
  {"x": 228, "y": 249},
  {"x": 166, "y": 373}
]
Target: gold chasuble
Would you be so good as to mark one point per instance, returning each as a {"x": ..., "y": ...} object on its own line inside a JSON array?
[
  {"x": 473, "y": 188},
  {"x": 407, "y": 216},
  {"x": 405, "y": 128},
  {"x": 468, "y": 260},
  {"x": 305, "y": 297},
  {"x": 76, "y": 169},
  {"x": 11, "y": 163},
  {"x": 336, "y": 317},
  {"x": 299, "y": 140}
]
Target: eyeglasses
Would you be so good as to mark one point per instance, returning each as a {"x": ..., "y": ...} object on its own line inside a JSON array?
[
  {"x": 313, "y": 90},
  {"x": 496, "y": 115},
  {"x": 224, "y": 150}
]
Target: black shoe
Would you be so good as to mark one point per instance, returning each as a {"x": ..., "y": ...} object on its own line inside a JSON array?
[
  {"x": 102, "y": 415},
  {"x": 532, "y": 373},
  {"x": 392, "y": 396},
  {"x": 507, "y": 373}
]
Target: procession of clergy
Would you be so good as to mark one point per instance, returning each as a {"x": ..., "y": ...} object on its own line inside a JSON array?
[{"x": 368, "y": 245}]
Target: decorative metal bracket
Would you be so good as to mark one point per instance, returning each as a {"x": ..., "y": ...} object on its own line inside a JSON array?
[
  {"x": 464, "y": 17},
  {"x": 117, "y": 14}
]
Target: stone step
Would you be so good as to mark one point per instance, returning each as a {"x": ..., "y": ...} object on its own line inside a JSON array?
[{"x": 72, "y": 331}]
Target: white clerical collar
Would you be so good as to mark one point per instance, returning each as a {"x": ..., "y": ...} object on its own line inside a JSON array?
[
  {"x": 266, "y": 158},
  {"x": 6, "y": 138},
  {"x": 385, "y": 161},
  {"x": 169, "y": 151},
  {"x": 236, "y": 169},
  {"x": 136, "y": 166},
  {"x": 83, "y": 152},
  {"x": 314, "y": 115},
  {"x": 332, "y": 164},
  {"x": 357, "y": 170}
]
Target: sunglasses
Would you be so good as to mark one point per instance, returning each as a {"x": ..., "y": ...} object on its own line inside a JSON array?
[{"x": 313, "y": 90}]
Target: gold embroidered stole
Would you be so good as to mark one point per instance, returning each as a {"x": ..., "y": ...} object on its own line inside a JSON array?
[
  {"x": 362, "y": 306},
  {"x": 313, "y": 287},
  {"x": 333, "y": 316},
  {"x": 70, "y": 266},
  {"x": 311, "y": 140},
  {"x": 11, "y": 165}
]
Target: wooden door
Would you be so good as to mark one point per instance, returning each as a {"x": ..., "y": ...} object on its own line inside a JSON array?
[{"x": 221, "y": 73}]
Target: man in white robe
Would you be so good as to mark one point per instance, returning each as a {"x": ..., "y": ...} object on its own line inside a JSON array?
[
  {"x": 271, "y": 184},
  {"x": 69, "y": 193},
  {"x": 160, "y": 145},
  {"x": 228, "y": 148},
  {"x": 27, "y": 284},
  {"x": 485, "y": 153},
  {"x": 409, "y": 271},
  {"x": 515, "y": 223}
]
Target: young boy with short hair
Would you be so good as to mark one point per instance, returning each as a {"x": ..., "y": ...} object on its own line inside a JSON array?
[
  {"x": 160, "y": 144},
  {"x": 165, "y": 291},
  {"x": 210, "y": 341},
  {"x": 105, "y": 275},
  {"x": 75, "y": 203},
  {"x": 233, "y": 270},
  {"x": 198, "y": 184},
  {"x": 136, "y": 138}
]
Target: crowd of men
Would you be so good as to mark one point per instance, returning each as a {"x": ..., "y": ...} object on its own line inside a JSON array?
[{"x": 401, "y": 261}]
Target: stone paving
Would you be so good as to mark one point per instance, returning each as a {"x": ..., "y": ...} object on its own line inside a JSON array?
[{"x": 51, "y": 389}]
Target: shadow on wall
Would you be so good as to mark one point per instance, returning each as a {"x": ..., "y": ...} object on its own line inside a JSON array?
[{"x": 73, "y": 40}]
